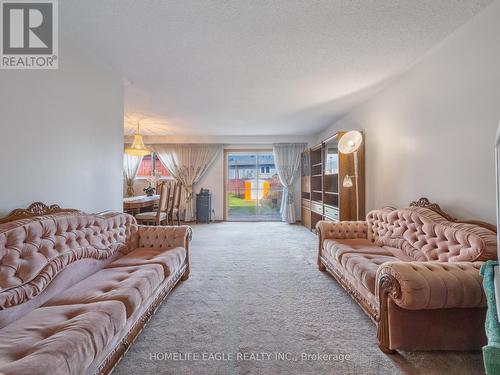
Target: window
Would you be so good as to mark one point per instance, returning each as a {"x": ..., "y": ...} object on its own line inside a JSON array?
[
  {"x": 252, "y": 193},
  {"x": 149, "y": 164}
]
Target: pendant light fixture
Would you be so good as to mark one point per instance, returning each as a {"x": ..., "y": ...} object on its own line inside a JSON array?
[{"x": 138, "y": 148}]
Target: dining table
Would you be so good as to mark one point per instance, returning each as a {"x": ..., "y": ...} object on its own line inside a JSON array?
[{"x": 140, "y": 203}]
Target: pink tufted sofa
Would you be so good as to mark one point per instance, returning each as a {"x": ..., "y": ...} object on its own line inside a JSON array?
[
  {"x": 76, "y": 288},
  {"x": 415, "y": 272}
]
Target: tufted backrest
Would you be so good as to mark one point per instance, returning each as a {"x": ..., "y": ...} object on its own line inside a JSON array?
[
  {"x": 424, "y": 235},
  {"x": 34, "y": 251}
]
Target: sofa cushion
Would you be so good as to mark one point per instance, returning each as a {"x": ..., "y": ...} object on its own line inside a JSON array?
[
  {"x": 360, "y": 277},
  {"x": 335, "y": 248},
  {"x": 59, "y": 339},
  {"x": 130, "y": 285},
  {"x": 364, "y": 267},
  {"x": 171, "y": 260}
]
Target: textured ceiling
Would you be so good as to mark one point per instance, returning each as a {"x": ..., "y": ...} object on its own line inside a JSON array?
[{"x": 277, "y": 67}]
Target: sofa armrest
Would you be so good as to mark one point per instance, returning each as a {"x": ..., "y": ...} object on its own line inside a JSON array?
[
  {"x": 164, "y": 237},
  {"x": 431, "y": 285},
  {"x": 342, "y": 229}
]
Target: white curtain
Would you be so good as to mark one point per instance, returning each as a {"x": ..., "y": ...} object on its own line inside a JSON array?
[
  {"x": 187, "y": 163},
  {"x": 131, "y": 165},
  {"x": 287, "y": 157}
]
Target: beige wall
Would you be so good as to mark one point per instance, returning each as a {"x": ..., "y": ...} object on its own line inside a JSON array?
[
  {"x": 432, "y": 131},
  {"x": 62, "y": 135}
]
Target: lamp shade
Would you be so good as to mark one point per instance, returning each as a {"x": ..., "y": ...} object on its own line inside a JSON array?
[
  {"x": 347, "y": 183},
  {"x": 138, "y": 148},
  {"x": 350, "y": 142}
]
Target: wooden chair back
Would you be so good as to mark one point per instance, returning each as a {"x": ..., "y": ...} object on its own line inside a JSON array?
[
  {"x": 175, "y": 202},
  {"x": 177, "y": 198},
  {"x": 164, "y": 199},
  {"x": 159, "y": 185},
  {"x": 168, "y": 206}
]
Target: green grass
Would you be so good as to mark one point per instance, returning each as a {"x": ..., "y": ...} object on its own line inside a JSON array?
[
  {"x": 241, "y": 206},
  {"x": 233, "y": 202}
]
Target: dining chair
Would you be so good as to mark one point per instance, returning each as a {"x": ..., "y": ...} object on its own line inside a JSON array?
[
  {"x": 173, "y": 215},
  {"x": 161, "y": 214},
  {"x": 158, "y": 187}
]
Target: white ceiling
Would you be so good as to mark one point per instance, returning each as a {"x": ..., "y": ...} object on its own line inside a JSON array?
[{"x": 273, "y": 67}]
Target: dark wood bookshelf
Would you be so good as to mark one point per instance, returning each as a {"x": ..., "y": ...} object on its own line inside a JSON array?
[{"x": 323, "y": 196}]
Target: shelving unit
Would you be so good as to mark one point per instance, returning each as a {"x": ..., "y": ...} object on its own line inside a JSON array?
[
  {"x": 323, "y": 196},
  {"x": 306, "y": 188}
]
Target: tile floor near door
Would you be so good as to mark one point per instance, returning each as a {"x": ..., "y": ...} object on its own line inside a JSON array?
[{"x": 255, "y": 293}]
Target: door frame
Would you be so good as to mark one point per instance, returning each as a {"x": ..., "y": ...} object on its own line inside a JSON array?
[{"x": 224, "y": 178}]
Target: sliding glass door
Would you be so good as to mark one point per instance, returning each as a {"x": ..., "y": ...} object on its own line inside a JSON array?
[{"x": 253, "y": 189}]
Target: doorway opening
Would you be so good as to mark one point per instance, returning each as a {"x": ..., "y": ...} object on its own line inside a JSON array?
[{"x": 253, "y": 189}]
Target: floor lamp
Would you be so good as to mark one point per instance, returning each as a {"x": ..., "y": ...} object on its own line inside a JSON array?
[{"x": 349, "y": 143}]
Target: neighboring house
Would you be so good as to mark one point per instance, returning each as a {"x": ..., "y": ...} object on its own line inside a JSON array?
[
  {"x": 250, "y": 178},
  {"x": 247, "y": 166}
]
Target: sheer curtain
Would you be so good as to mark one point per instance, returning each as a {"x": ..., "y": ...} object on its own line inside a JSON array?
[
  {"x": 287, "y": 158},
  {"x": 187, "y": 163},
  {"x": 131, "y": 165}
]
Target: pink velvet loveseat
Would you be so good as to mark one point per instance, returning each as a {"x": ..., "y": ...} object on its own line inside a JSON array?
[
  {"x": 76, "y": 288},
  {"x": 415, "y": 272}
]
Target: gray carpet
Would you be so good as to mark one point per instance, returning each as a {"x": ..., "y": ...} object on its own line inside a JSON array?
[{"x": 255, "y": 291}]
